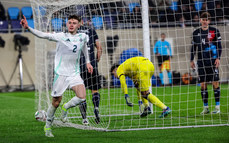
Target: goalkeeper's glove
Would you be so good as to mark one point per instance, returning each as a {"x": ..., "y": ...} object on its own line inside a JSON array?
[{"x": 128, "y": 100}]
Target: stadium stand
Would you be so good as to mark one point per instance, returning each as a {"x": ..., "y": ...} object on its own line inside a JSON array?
[
  {"x": 4, "y": 26},
  {"x": 122, "y": 17},
  {"x": 42, "y": 10},
  {"x": 16, "y": 26},
  {"x": 133, "y": 52},
  {"x": 2, "y": 12},
  {"x": 13, "y": 13},
  {"x": 97, "y": 22},
  {"x": 30, "y": 23},
  {"x": 174, "y": 6},
  {"x": 57, "y": 24},
  {"x": 27, "y": 12},
  {"x": 132, "y": 6},
  {"x": 110, "y": 21},
  {"x": 198, "y": 5}
]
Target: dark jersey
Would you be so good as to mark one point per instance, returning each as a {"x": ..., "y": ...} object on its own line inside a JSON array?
[
  {"x": 207, "y": 43},
  {"x": 91, "y": 45}
]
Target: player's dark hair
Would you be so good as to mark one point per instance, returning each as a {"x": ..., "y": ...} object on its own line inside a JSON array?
[
  {"x": 206, "y": 15},
  {"x": 113, "y": 67},
  {"x": 163, "y": 34},
  {"x": 74, "y": 17}
]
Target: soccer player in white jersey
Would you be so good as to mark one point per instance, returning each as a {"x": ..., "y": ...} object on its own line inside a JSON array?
[{"x": 67, "y": 71}]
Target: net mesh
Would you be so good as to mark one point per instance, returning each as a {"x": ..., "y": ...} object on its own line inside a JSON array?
[{"x": 119, "y": 28}]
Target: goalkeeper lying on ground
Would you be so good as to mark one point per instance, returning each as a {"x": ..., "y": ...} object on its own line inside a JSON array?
[{"x": 140, "y": 70}]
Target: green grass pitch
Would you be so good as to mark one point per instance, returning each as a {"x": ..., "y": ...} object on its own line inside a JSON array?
[
  {"x": 185, "y": 102},
  {"x": 18, "y": 125}
]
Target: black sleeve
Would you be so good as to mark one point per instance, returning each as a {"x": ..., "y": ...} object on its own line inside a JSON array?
[
  {"x": 193, "y": 48},
  {"x": 218, "y": 43}
]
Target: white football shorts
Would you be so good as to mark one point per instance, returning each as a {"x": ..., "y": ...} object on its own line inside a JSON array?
[{"x": 61, "y": 83}]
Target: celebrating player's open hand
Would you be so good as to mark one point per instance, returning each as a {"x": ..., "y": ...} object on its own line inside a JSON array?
[
  {"x": 89, "y": 68},
  {"x": 24, "y": 23}
]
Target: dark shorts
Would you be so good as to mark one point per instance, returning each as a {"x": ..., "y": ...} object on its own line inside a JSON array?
[
  {"x": 91, "y": 81},
  {"x": 161, "y": 59},
  {"x": 208, "y": 72}
]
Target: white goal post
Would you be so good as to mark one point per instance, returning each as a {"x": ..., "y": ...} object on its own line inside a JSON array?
[{"x": 128, "y": 28}]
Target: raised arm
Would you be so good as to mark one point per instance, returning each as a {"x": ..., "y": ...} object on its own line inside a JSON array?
[
  {"x": 43, "y": 35},
  {"x": 38, "y": 33},
  {"x": 24, "y": 22}
]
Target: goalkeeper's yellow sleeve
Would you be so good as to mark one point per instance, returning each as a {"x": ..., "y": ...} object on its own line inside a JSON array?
[{"x": 122, "y": 79}]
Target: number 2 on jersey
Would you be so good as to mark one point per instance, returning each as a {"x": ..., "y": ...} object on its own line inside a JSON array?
[{"x": 75, "y": 47}]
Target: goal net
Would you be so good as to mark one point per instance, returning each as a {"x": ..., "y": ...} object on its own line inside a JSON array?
[{"x": 128, "y": 28}]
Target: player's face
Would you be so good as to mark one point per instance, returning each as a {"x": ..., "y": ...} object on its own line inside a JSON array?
[
  {"x": 72, "y": 25},
  {"x": 204, "y": 22},
  {"x": 162, "y": 37}
]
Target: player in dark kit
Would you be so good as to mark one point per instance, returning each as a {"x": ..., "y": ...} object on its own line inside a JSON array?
[
  {"x": 91, "y": 81},
  {"x": 207, "y": 43}
]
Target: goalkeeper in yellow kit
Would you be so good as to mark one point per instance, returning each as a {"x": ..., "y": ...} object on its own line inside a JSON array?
[{"x": 140, "y": 70}]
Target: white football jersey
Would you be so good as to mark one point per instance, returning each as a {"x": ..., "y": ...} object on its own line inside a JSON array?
[{"x": 68, "y": 50}]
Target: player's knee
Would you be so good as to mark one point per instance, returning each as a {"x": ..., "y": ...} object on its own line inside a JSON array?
[
  {"x": 56, "y": 101},
  {"x": 81, "y": 96},
  {"x": 203, "y": 86},
  {"x": 56, "y": 104},
  {"x": 215, "y": 85},
  {"x": 145, "y": 94}
]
